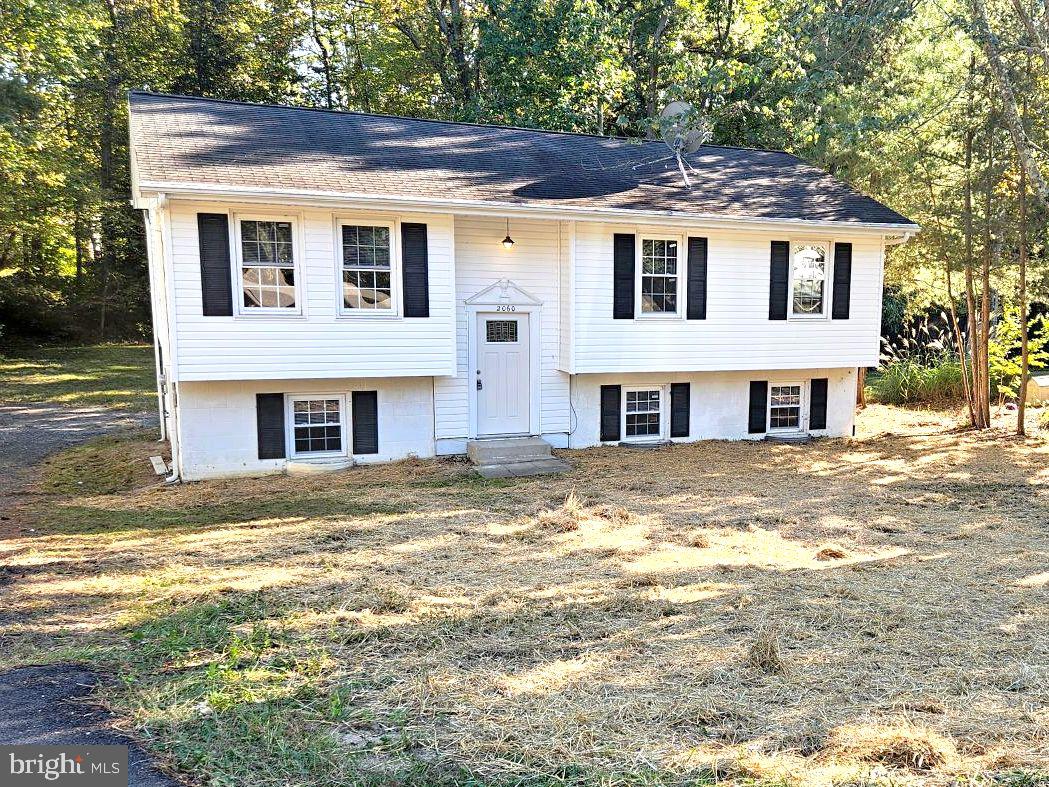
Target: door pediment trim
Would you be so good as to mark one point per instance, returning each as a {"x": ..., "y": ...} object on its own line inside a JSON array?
[{"x": 501, "y": 293}]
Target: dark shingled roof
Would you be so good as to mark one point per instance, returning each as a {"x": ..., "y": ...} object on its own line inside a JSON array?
[{"x": 181, "y": 140}]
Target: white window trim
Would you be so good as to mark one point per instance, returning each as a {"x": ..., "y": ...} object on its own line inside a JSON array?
[
  {"x": 394, "y": 225},
  {"x": 297, "y": 252},
  {"x": 682, "y": 262},
  {"x": 664, "y": 415},
  {"x": 289, "y": 419},
  {"x": 803, "y": 409},
  {"x": 827, "y": 277}
]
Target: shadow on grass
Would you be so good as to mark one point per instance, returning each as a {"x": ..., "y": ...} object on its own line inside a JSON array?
[{"x": 70, "y": 519}]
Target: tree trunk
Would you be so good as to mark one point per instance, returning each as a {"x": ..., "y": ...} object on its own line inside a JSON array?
[
  {"x": 325, "y": 56},
  {"x": 985, "y": 276},
  {"x": 107, "y": 143},
  {"x": 1021, "y": 395},
  {"x": 78, "y": 240},
  {"x": 988, "y": 42},
  {"x": 967, "y": 228},
  {"x": 959, "y": 341}
]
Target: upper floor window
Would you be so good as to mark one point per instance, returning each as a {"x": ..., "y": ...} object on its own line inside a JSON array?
[
  {"x": 267, "y": 265},
  {"x": 659, "y": 276},
  {"x": 367, "y": 268},
  {"x": 809, "y": 279}
]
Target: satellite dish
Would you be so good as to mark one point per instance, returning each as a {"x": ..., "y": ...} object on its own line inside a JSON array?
[
  {"x": 684, "y": 131},
  {"x": 694, "y": 140}
]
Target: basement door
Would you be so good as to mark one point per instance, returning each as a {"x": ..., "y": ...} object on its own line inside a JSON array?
[{"x": 504, "y": 381}]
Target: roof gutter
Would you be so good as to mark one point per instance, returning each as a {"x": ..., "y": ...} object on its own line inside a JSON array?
[
  {"x": 471, "y": 207},
  {"x": 896, "y": 240}
]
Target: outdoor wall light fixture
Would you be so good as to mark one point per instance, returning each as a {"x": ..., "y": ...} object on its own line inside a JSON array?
[{"x": 508, "y": 242}]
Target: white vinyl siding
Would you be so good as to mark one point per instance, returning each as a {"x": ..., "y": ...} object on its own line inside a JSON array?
[
  {"x": 320, "y": 343},
  {"x": 737, "y": 332},
  {"x": 532, "y": 265},
  {"x": 566, "y": 252}
]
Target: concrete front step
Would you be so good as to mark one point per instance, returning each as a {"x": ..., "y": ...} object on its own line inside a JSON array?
[
  {"x": 508, "y": 450},
  {"x": 515, "y": 469},
  {"x": 317, "y": 466},
  {"x": 793, "y": 437}
]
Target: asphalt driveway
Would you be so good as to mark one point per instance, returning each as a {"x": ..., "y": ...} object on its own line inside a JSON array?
[
  {"x": 57, "y": 703},
  {"x": 30, "y": 432}
]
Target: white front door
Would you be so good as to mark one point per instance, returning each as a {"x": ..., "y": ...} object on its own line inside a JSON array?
[{"x": 503, "y": 377}]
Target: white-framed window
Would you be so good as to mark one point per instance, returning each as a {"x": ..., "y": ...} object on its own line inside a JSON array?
[
  {"x": 659, "y": 275},
  {"x": 643, "y": 413},
  {"x": 368, "y": 266},
  {"x": 808, "y": 278},
  {"x": 500, "y": 331},
  {"x": 786, "y": 401},
  {"x": 318, "y": 425},
  {"x": 266, "y": 263}
]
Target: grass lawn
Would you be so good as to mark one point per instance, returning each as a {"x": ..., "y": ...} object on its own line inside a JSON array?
[
  {"x": 119, "y": 376},
  {"x": 851, "y": 612}
]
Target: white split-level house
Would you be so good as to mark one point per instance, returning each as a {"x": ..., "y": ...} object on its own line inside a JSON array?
[{"x": 335, "y": 286}]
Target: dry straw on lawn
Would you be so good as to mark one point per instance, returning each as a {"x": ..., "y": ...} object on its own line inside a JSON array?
[
  {"x": 764, "y": 653},
  {"x": 902, "y": 746},
  {"x": 677, "y": 610}
]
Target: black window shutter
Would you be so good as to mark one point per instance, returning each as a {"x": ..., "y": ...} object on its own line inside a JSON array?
[
  {"x": 269, "y": 414},
  {"x": 759, "y": 400},
  {"x": 216, "y": 286},
  {"x": 415, "y": 270},
  {"x": 842, "y": 281},
  {"x": 365, "y": 406},
  {"x": 679, "y": 407},
  {"x": 623, "y": 277},
  {"x": 697, "y": 279},
  {"x": 818, "y": 403},
  {"x": 779, "y": 272},
  {"x": 610, "y": 402}
]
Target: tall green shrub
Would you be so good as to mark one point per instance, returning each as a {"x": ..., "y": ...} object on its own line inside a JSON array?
[{"x": 920, "y": 366}]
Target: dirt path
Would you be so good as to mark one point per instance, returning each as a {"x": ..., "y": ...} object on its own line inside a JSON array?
[{"x": 51, "y": 705}]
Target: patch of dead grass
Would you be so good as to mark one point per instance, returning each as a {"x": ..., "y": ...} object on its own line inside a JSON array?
[
  {"x": 901, "y": 746},
  {"x": 831, "y": 553},
  {"x": 764, "y": 653}
]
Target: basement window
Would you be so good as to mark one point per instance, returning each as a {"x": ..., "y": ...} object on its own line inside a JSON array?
[
  {"x": 642, "y": 413},
  {"x": 785, "y": 407},
  {"x": 318, "y": 426}
]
